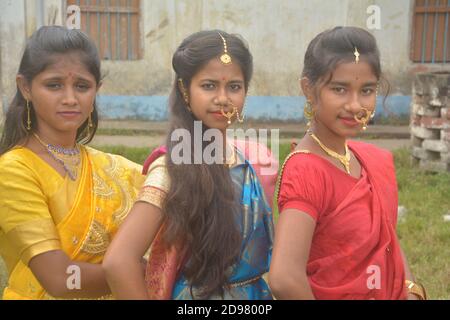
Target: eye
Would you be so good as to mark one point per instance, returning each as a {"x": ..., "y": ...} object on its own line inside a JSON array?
[
  {"x": 367, "y": 91},
  {"x": 53, "y": 85},
  {"x": 83, "y": 86},
  {"x": 338, "y": 90},
  {"x": 235, "y": 87},
  {"x": 208, "y": 86}
]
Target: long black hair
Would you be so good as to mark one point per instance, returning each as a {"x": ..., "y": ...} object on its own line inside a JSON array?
[
  {"x": 200, "y": 207},
  {"x": 40, "y": 52}
]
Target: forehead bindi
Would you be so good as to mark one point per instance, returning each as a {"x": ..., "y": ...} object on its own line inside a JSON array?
[
  {"x": 215, "y": 70},
  {"x": 67, "y": 68},
  {"x": 350, "y": 72}
]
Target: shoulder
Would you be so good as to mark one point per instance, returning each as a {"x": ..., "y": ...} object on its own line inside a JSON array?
[
  {"x": 157, "y": 175},
  {"x": 16, "y": 159},
  {"x": 158, "y": 163},
  {"x": 255, "y": 152},
  {"x": 304, "y": 163}
]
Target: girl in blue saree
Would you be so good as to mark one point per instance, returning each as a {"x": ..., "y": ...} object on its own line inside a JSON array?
[{"x": 209, "y": 225}]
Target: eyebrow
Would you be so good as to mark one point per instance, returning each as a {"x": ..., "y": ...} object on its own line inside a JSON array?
[
  {"x": 57, "y": 77},
  {"x": 215, "y": 81},
  {"x": 344, "y": 83}
]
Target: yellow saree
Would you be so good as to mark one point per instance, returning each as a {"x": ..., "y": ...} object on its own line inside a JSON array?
[{"x": 42, "y": 211}]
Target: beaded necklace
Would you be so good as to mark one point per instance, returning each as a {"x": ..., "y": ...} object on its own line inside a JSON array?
[{"x": 68, "y": 158}]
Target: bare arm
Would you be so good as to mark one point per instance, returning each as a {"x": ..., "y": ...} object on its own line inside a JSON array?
[
  {"x": 82, "y": 280},
  {"x": 293, "y": 237},
  {"x": 122, "y": 262}
]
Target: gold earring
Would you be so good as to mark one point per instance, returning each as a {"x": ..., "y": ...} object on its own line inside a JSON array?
[
  {"x": 184, "y": 94},
  {"x": 29, "y": 116},
  {"x": 308, "y": 112},
  {"x": 90, "y": 125}
]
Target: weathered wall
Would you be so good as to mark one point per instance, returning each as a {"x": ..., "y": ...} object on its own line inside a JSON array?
[
  {"x": 18, "y": 20},
  {"x": 12, "y": 36},
  {"x": 277, "y": 31}
]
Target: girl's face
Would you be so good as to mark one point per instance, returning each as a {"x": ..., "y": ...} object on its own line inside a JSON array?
[
  {"x": 213, "y": 87},
  {"x": 62, "y": 95},
  {"x": 352, "y": 87}
]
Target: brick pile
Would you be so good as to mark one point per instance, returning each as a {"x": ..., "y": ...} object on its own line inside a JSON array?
[{"x": 430, "y": 121}]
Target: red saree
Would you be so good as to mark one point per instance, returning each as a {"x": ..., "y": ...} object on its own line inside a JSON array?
[{"x": 355, "y": 253}]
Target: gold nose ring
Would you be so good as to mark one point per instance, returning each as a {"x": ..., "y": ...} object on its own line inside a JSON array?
[{"x": 363, "y": 117}]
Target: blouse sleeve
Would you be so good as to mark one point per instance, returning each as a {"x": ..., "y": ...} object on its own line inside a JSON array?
[
  {"x": 302, "y": 186},
  {"x": 24, "y": 214},
  {"x": 156, "y": 184}
]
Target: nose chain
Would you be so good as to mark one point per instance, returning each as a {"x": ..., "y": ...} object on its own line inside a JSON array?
[{"x": 230, "y": 114}]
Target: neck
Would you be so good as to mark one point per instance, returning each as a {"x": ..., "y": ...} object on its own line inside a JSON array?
[
  {"x": 62, "y": 139},
  {"x": 329, "y": 139}
]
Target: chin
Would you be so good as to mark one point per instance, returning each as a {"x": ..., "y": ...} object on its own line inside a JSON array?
[
  {"x": 69, "y": 128},
  {"x": 353, "y": 134}
]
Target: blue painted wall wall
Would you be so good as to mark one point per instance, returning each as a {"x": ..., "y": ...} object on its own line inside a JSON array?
[{"x": 257, "y": 107}]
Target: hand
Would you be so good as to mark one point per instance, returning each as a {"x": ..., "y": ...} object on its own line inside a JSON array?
[{"x": 412, "y": 297}]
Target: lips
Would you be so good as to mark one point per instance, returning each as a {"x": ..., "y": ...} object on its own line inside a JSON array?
[
  {"x": 218, "y": 115},
  {"x": 349, "y": 121},
  {"x": 69, "y": 114}
]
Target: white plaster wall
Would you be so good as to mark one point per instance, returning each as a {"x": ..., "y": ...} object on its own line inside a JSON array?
[{"x": 277, "y": 31}]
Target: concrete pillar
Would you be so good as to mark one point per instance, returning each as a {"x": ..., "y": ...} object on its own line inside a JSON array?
[{"x": 430, "y": 121}]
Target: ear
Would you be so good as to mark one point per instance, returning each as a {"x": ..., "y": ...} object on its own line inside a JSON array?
[
  {"x": 307, "y": 89},
  {"x": 23, "y": 86}
]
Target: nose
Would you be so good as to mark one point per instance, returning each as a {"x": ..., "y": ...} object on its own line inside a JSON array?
[
  {"x": 353, "y": 106},
  {"x": 222, "y": 97},
  {"x": 69, "y": 97}
]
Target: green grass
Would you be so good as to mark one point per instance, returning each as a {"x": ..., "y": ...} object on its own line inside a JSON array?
[
  {"x": 423, "y": 234},
  {"x": 128, "y": 132}
]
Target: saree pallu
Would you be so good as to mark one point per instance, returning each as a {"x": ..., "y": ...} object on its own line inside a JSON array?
[
  {"x": 106, "y": 193},
  {"x": 164, "y": 276},
  {"x": 355, "y": 253}
]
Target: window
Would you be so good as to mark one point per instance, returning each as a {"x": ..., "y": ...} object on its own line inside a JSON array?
[
  {"x": 431, "y": 35},
  {"x": 113, "y": 25}
]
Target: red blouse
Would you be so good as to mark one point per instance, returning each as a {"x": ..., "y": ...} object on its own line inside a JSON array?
[{"x": 355, "y": 252}]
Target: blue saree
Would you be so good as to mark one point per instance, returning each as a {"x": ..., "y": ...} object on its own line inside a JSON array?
[{"x": 256, "y": 226}]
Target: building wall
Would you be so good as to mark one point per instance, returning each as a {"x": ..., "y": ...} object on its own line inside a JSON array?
[{"x": 277, "y": 31}]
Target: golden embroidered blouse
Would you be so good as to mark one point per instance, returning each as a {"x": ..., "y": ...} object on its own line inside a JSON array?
[
  {"x": 156, "y": 184},
  {"x": 41, "y": 211}
]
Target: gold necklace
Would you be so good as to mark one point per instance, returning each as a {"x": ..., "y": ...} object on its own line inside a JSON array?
[
  {"x": 229, "y": 162},
  {"x": 344, "y": 159},
  {"x": 68, "y": 158}
]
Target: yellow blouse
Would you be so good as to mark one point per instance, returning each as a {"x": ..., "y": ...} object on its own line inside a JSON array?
[{"x": 34, "y": 199}]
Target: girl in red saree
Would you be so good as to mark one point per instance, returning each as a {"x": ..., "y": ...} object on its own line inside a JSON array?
[{"x": 336, "y": 237}]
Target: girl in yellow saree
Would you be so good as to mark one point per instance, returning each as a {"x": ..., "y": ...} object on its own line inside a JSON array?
[{"x": 61, "y": 202}]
